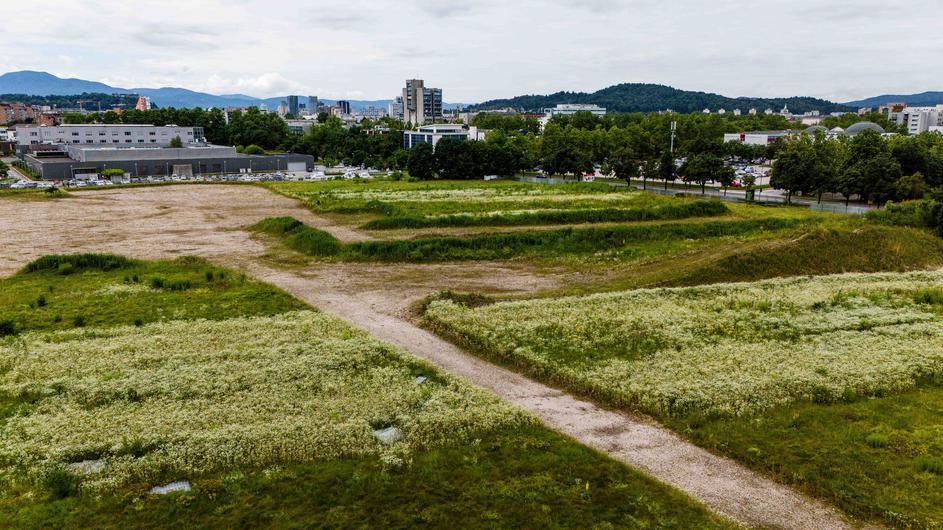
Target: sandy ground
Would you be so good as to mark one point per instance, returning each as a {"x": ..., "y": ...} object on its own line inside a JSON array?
[{"x": 207, "y": 221}]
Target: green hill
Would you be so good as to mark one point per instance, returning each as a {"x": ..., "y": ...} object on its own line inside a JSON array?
[{"x": 638, "y": 97}]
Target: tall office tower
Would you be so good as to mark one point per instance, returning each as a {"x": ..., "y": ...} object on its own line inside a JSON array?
[
  {"x": 344, "y": 106},
  {"x": 420, "y": 104},
  {"x": 314, "y": 106},
  {"x": 293, "y": 105}
]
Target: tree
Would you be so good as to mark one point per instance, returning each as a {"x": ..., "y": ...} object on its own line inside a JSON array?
[
  {"x": 666, "y": 167},
  {"x": 793, "y": 170},
  {"x": 870, "y": 170},
  {"x": 253, "y": 149},
  {"x": 176, "y": 142},
  {"x": 422, "y": 162},
  {"x": 911, "y": 187},
  {"x": 706, "y": 167},
  {"x": 624, "y": 164}
]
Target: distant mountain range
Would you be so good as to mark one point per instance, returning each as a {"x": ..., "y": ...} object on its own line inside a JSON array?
[
  {"x": 924, "y": 99},
  {"x": 627, "y": 97},
  {"x": 638, "y": 97},
  {"x": 45, "y": 84}
]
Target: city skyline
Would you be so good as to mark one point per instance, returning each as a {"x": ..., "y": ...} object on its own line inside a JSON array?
[{"x": 483, "y": 50}]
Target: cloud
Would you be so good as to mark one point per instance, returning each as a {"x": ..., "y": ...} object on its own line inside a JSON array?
[
  {"x": 187, "y": 37},
  {"x": 266, "y": 85}
]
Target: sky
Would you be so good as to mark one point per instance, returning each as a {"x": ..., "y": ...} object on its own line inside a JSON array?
[{"x": 477, "y": 50}]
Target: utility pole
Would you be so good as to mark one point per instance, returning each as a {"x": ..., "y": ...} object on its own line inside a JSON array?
[{"x": 674, "y": 129}]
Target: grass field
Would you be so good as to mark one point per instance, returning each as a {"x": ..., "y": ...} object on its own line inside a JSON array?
[
  {"x": 806, "y": 378},
  {"x": 270, "y": 410}
]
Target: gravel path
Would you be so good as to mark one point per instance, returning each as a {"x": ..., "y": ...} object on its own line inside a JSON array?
[{"x": 723, "y": 485}]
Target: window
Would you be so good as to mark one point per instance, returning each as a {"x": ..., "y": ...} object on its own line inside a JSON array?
[
  {"x": 75, "y": 134},
  {"x": 127, "y": 133}
]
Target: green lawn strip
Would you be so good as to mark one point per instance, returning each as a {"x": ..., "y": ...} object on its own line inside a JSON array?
[
  {"x": 522, "y": 478},
  {"x": 566, "y": 241},
  {"x": 875, "y": 458},
  {"x": 62, "y": 292},
  {"x": 552, "y": 217}
]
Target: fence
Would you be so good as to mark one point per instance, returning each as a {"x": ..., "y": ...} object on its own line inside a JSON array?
[{"x": 737, "y": 196}]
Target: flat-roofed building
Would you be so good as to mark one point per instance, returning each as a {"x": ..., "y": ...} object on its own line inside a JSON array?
[
  {"x": 124, "y": 135},
  {"x": 71, "y": 161},
  {"x": 433, "y": 134}
]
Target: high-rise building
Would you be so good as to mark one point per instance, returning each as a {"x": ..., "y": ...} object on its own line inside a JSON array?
[
  {"x": 293, "y": 105},
  {"x": 421, "y": 105},
  {"x": 282, "y": 109},
  {"x": 344, "y": 106},
  {"x": 396, "y": 108},
  {"x": 314, "y": 105}
]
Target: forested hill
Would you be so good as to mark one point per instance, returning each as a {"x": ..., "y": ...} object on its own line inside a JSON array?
[{"x": 638, "y": 97}]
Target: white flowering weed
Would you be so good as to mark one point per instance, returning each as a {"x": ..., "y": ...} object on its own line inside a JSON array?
[
  {"x": 725, "y": 349},
  {"x": 181, "y": 398}
]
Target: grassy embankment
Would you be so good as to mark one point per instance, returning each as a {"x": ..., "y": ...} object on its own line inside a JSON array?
[
  {"x": 122, "y": 374},
  {"x": 568, "y": 241}
]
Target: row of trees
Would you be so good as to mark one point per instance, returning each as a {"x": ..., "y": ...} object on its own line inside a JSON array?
[{"x": 867, "y": 165}]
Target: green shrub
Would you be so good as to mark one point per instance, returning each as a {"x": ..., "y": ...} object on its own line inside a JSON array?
[
  {"x": 209, "y": 276},
  {"x": 41, "y": 301},
  {"x": 7, "y": 328},
  {"x": 877, "y": 440},
  {"x": 933, "y": 296},
  {"x": 65, "y": 269},
  {"x": 61, "y": 483},
  {"x": 178, "y": 285},
  {"x": 929, "y": 464},
  {"x": 79, "y": 321},
  {"x": 74, "y": 262},
  {"x": 300, "y": 236},
  {"x": 157, "y": 282}
]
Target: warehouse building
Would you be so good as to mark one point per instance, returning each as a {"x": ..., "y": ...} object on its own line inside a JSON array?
[{"x": 78, "y": 161}]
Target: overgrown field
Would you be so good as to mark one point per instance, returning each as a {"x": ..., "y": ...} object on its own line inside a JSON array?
[
  {"x": 276, "y": 414},
  {"x": 736, "y": 365}
]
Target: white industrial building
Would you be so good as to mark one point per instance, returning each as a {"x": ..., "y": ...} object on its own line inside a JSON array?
[
  {"x": 432, "y": 134},
  {"x": 100, "y": 134}
]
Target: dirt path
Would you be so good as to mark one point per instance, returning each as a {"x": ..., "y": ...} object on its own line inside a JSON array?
[
  {"x": 206, "y": 220},
  {"x": 723, "y": 485}
]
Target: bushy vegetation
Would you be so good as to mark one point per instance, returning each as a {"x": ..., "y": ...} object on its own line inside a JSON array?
[
  {"x": 567, "y": 241},
  {"x": 80, "y": 262},
  {"x": 925, "y": 213},
  {"x": 102, "y": 290},
  {"x": 300, "y": 236},
  {"x": 552, "y": 217}
]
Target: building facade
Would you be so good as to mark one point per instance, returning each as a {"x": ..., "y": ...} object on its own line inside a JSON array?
[
  {"x": 293, "y": 105},
  {"x": 344, "y": 106},
  {"x": 124, "y": 135},
  {"x": 395, "y": 109},
  {"x": 432, "y": 134},
  {"x": 78, "y": 161},
  {"x": 569, "y": 109},
  {"x": 921, "y": 119},
  {"x": 421, "y": 105}
]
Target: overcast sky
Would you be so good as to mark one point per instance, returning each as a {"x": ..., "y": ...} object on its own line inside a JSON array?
[{"x": 482, "y": 49}]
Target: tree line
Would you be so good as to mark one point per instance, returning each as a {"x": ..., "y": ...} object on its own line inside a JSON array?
[{"x": 874, "y": 168}]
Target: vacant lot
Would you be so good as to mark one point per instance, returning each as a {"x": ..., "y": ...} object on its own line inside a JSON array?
[
  {"x": 770, "y": 372},
  {"x": 263, "y": 412}
]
